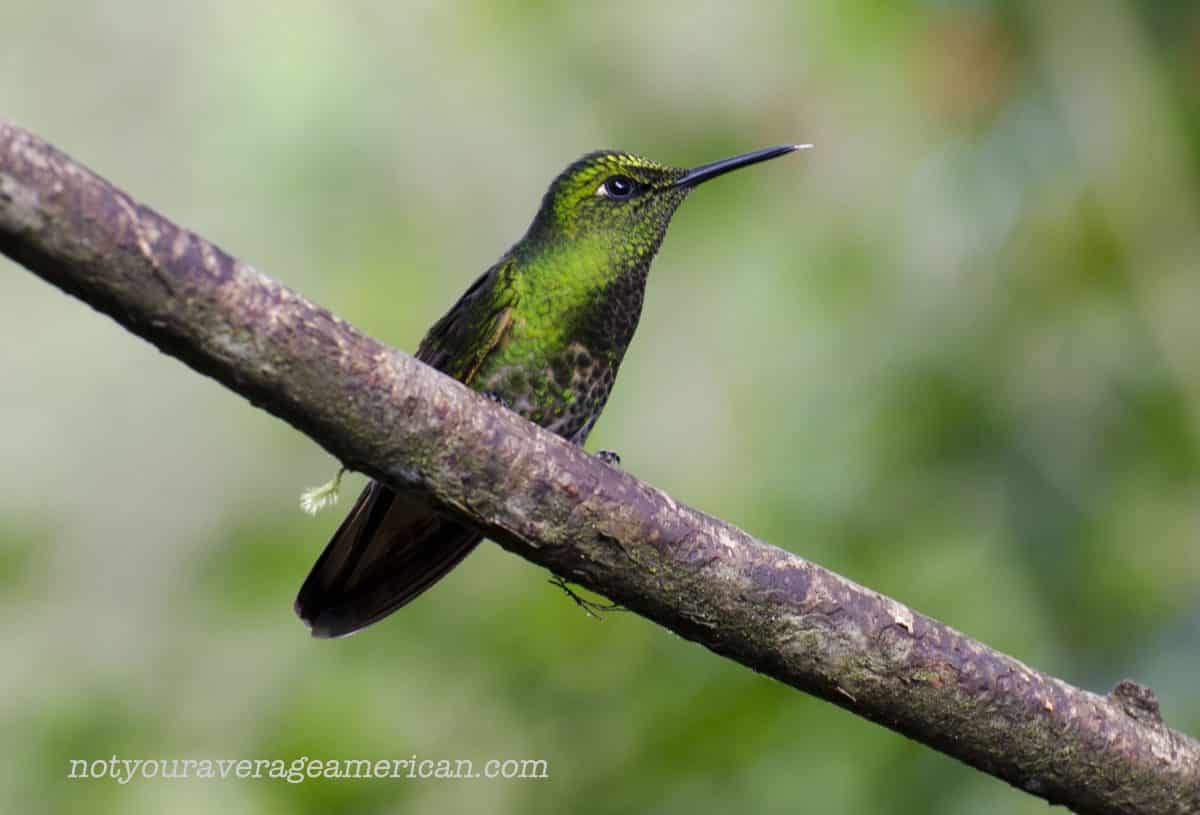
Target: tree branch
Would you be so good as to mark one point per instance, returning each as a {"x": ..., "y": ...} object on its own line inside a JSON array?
[{"x": 381, "y": 412}]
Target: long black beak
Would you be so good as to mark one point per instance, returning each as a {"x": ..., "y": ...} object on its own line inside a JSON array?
[{"x": 705, "y": 172}]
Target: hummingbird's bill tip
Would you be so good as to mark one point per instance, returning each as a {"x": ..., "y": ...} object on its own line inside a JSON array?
[{"x": 698, "y": 175}]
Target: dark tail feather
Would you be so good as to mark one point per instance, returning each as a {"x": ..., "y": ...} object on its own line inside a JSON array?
[{"x": 388, "y": 550}]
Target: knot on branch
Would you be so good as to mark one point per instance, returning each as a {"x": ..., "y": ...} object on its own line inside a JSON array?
[{"x": 1137, "y": 700}]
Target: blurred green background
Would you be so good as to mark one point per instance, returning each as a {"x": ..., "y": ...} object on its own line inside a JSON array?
[{"x": 950, "y": 353}]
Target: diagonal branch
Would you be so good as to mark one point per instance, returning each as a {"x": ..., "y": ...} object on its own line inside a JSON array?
[{"x": 387, "y": 415}]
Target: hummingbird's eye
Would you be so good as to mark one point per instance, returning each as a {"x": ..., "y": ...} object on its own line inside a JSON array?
[{"x": 618, "y": 188}]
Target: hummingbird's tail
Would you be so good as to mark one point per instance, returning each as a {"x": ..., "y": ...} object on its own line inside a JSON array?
[{"x": 389, "y": 549}]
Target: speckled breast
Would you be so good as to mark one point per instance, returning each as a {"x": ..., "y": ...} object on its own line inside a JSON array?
[{"x": 564, "y": 393}]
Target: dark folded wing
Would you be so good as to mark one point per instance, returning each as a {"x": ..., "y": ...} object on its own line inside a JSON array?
[{"x": 391, "y": 547}]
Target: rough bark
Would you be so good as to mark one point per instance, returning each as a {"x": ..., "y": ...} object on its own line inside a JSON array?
[{"x": 381, "y": 412}]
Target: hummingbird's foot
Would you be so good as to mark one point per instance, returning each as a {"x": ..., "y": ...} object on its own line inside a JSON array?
[
  {"x": 592, "y": 609},
  {"x": 609, "y": 457},
  {"x": 316, "y": 499},
  {"x": 498, "y": 399}
]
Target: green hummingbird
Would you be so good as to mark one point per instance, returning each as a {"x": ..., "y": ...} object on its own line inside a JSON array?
[{"x": 543, "y": 331}]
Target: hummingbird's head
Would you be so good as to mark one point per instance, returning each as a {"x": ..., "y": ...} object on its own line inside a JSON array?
[{"x": 620, "y": 204}]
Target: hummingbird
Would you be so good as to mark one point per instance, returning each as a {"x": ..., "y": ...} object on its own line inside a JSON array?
[{"x": 543, "y": 332}]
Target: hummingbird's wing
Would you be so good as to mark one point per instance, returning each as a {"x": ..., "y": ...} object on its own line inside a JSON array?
[
  {"x": 458, "y": 343},
  {"x": 393, "y": 546},
  {"x": 389, "y": 549}
]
